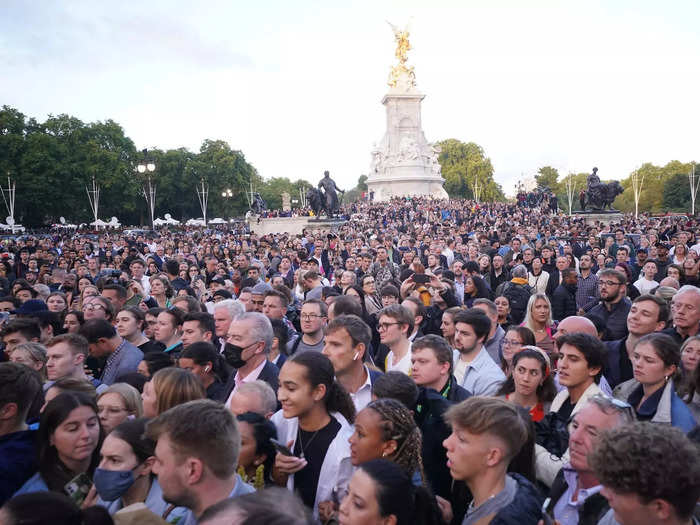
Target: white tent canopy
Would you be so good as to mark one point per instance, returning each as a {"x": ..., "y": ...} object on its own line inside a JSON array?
[
  {"x": 168, "y": 220},
  {"x": 217, "y": 220},
  {"x": 196, "y": 222}
]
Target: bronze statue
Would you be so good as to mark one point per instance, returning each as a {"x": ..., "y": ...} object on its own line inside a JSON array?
[
  {"x": 330, "y": 197},
  {"x": 599, "y": 195}
]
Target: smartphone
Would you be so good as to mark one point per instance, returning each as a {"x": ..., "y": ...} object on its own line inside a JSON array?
[
  {"x": 77, "y": 489},
  {"x": 421, "y": 278},
  {"x": 282, "y": 449}
]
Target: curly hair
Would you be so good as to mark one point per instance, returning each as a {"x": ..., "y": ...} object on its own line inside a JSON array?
[
  {"x": 397, "y": 423},
  {"x": 652, "y": 461}
]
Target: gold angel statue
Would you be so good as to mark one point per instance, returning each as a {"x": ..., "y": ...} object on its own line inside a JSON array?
[{"x": 402, "y": 43}]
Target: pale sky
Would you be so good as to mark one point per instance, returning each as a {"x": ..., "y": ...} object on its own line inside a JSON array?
[{"x": 297, "y": 86}]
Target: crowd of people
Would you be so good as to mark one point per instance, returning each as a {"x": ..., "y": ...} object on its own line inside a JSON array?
[{"x": 430, "y": 362}]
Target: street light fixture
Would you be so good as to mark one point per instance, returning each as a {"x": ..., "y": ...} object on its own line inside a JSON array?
[{"x": 147, "y": 167}]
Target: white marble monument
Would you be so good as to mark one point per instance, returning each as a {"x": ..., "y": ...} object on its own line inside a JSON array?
[{"x": 404, "y": 163}]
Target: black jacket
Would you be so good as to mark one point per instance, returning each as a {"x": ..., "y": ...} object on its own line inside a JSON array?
[
  {"x": 564, "y": 301},
  {"x": 269, "y": 374},
  {"x": 618, "y": 367},
  {"x": 592, "y": 510},
  {"x": 526, "y": 507}
]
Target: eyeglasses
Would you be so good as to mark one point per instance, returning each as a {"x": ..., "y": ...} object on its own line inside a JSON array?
[
  {"x": 92, "y": 307},
  {"x": 385, "y": 326},
  {"x": 609, "y": 283},
  {"x": 605, "y": 403},
  {"x": 309, "y": 317},
  {"x": 511, "y": 342}
]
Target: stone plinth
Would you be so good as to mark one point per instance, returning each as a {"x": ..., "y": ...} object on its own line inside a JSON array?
[
  {"x": 404, "y": 163},
  {"x": 286, "y": 202},
  {"x": 292, "y": 225},
  {"x": 593, "y": 217}
]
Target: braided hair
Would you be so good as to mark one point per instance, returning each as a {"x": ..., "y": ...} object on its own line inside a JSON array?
[{"x": 397, "y": 423}]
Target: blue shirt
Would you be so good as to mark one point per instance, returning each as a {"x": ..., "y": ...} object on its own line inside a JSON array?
[{"x": 483, "y": 376}]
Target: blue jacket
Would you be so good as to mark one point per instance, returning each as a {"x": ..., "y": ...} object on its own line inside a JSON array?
[
  {"x": 34, "y": 484},
  {"x": 671, "y": 409},
  {"x": 17, "y": 461},
  {"x": 526, "y": 507}
]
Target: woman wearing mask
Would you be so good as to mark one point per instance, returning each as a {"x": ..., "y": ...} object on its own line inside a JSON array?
[
  {"x": 315, "y": 424},
  {"x": 382, "y": 492},
  {"x": 124, "y": 475},
  {"x": 68, "y": 442},
  {"x": 531, "y": 385},
  {"x": 651, "y": 392},
  {"x": 206, "y": 363}
]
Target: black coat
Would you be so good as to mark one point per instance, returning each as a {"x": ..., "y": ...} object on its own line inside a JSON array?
[
  {"x": 269, "y": 374},
  {"x": 592, "y": 510},
  {"x": 564, "y": 302}
]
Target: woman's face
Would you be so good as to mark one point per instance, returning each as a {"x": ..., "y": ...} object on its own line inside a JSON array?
[
  {"x": 447, "y": 326},
  {"x": 76, "y": 438},
  {"x": 127, "y": 325},
  {"x": 368, "y": 285},
  {"x": 247, "y": 457},
  {"x": 502, "y": 306},
  {"x": 527, "y": 376},
  {"x": 367, "y": 442},
  {"x": 649, "y": 369},
  {"x": 82, "y": 283},
  {"x": 469, "y": 286},
  {"x": 117, "y": 454},
  {"x": 56, "y": 303},
  {"x": 295, "y": 392},
  {"x": 512, "y": 343},
  {"x": 112, "y": 411},
  {"x": 360, "y": 505},
  {"x": 484, "y": 262},
  {"x": 540, "y": 311},
  {"x": 71, "y": 324},
  {"x": 157, "y": 287},
  {"x": 149, "y": 400},
  {"x": 22, "y": 356},
  {"x": 690, "y": 357}
]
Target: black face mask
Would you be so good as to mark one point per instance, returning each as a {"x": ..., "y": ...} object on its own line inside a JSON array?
[{"x": 233, "y": 355}]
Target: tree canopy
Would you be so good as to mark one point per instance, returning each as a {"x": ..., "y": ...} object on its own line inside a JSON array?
[{"x": 464, "y": 162}]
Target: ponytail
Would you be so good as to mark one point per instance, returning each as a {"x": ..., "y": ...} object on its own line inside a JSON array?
[{"x": 319, "y": 371}]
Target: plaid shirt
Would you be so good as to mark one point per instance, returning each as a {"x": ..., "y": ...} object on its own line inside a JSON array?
[
  {"x": 587, "y": 293},
  {"x": 110, "y": 371}
]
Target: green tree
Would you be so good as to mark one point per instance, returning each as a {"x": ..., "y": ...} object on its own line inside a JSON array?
[
  {"x": 461, "y": 164},
  {"x": 547, "y": 178},
  {"x": 677, "y": 193}
]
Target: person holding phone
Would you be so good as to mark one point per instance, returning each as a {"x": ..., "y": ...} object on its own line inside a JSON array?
[
  {"x": 315, "y": 425},
  {"x": 68, "y": 442}
]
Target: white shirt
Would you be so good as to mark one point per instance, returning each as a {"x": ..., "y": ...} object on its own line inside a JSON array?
[
  {"x": 644, "y": 285},
  {"x": 404, "y": 365},
  {"x": 247, "y": 379},
  {"x": 363, "y": 396}
]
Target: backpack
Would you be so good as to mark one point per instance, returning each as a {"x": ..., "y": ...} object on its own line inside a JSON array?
[{"x": 518, "y": 296}]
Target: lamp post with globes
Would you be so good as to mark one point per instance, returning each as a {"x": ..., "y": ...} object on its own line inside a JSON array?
[
  {"x": 227, "y": 194},
  {"x": 146, "y": 168}
]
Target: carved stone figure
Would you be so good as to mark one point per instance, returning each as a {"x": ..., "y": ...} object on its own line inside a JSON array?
[
  {"x": 330, "y": 196},
  {"x": 599, "y": 195},
  {"x": 258, "y": 204}
]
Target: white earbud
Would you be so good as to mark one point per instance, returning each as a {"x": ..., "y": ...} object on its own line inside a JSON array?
[{"x": 354, "y": 358}]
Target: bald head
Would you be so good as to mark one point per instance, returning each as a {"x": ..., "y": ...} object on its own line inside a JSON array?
[
  {"x": 575, "y": 324},
  {"x": 671, "y": 282}
]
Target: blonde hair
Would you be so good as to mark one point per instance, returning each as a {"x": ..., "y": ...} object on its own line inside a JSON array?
[
  {"x": 531, "y": 306},
  {"x": 131, "y": 397},
  {"x": 174, "y": 386}
]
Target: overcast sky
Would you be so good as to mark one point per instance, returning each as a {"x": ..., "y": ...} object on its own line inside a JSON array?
[{"x": 297, "y": 86}]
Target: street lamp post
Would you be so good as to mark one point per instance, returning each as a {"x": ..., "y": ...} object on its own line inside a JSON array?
[
  {"x": 147, "y": 167},
  {"x": 227, "y": 194}
]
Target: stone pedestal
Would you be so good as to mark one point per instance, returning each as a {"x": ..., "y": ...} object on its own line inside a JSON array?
[
  {"x": 593, "y": 217},
  {"x": 286, "y": 202},
  {"x": 404, "y": 163},
  {"x": 292, "y": 225}
]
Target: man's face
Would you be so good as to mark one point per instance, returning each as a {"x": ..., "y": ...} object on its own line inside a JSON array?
[
  {"x": 528, "y": 256},
  {"x": 562, "y": 263},
  {"x": 94, "y": 309},
  {"x": 497, "y": 262},
  {"x": 643, "y": 318},
  {"x": 61, "y": 361},
  {"x": 466, "y": 340},
  {"x": 222, "y": 320},
  {"x": 467, "y": 453},
  {"x": 247, "y": 299},
  {"x": 661, "y": 252},
  {"x": 425, "y": 368},
  {"x": 23, "y": 296},
  {"x": 350, "y": 264},
  {"x": 254, "y": 273},
  {"x": 240, "y": 334},
  {"x": 339, "y": 349},
  {"x": 584, "y": 431},
  {"x": 311, "y": 319},
  {"x": 390, "y": 330},
  {"x": 113, "y": 297},
  {"x": 381, "y": 255},
  {"x": 273, "y": 307},
  {"x": 257, "y": 301},
  {"x": 641, "y": 258},
  {"x": 585, "y": 262},
  {"x": 6, "y": 306},
  {"x": 621, "y": 256},
  {"x": 136, "y": 271},
  {"x": 516, "y": 245},
  {"x": 171, "y": 474},
  {"x": 388, "y": 300},
  {"x": 573, "y": 367},
  {"x": 12, "y": 340},
  {"x": 686, "y": 310},
  {"x": 192, "y": 333},
  {"x": 610, "y": 288}
]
